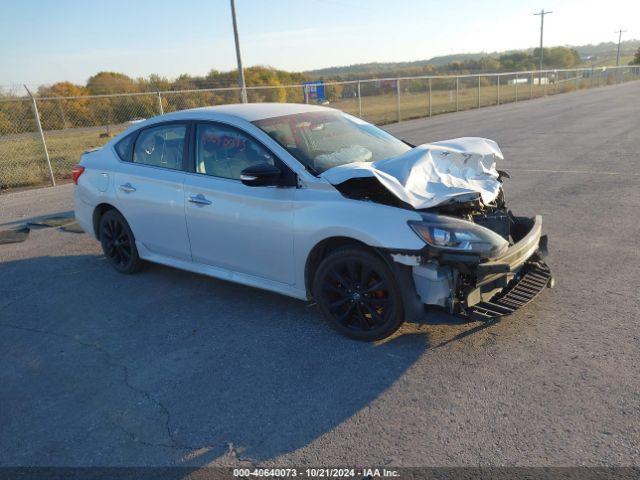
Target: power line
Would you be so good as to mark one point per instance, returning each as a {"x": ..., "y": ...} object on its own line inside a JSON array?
[
  {"x": 619, "y": 32},
  {"x": 542, "y": 14}
]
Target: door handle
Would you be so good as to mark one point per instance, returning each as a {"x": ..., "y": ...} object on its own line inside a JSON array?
[
  {"x": 199, "y": 199},
  {"x": 127, "y": 188}
]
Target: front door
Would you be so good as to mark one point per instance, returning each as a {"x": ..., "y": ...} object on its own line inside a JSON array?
[{"x": 233, "y": 226}]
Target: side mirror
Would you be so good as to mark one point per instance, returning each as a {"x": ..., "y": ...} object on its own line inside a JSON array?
[{"x": 261, "y": 175}]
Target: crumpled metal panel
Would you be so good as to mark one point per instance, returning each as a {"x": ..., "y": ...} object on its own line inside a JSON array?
[{"x": 432, "y": 174}]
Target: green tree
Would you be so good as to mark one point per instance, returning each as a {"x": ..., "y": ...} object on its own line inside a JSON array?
[
  {"x": 69, "y": 110},
  {"x": 154, "y": 83},
  {"x": 111, "y": 82},
  {"x": 558, "y": 57},
  {"x": 636, "y": 58},
  {"x": 489, "y": 64},
  {"x": 119, "y": 109},
  {"x": 517, "y": 61}
]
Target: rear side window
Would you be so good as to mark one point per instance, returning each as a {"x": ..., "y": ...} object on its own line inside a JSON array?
[
  {"x": 161, "y": 146},
  {"x": 124, "y": 148}
]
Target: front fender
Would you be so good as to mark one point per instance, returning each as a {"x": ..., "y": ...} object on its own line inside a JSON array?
[{"x": 321, "y": 215}]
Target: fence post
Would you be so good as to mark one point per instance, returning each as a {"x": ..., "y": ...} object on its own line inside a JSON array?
[
  {"x": 457, "y": 91},
  {"x": 478, "y": 90},
  {"x": 160, "y": 104},
  {"x": 555, "y": 81},
  {"x": 34, "y": 107},
  {"x": 359, "y": 100},
  {"x": 517, "y": 87},
  {"x": 576, "y": 80},
  {"x": 429, "y": 97},
  {"x": 600, "y": 76},
  {"x": 531, "y": 87},
  {"x": 591, "y": 79},
  {"x": 498, "y": 89},
  {"x": 398, "y": 97}
]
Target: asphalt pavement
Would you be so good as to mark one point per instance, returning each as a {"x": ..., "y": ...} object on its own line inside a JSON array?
[{"x": 172, "y": 368}]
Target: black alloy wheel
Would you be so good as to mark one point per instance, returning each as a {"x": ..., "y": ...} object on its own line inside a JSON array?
[
  {"x": 118, "y": 243},
  {"x": 358, "y": 294}
]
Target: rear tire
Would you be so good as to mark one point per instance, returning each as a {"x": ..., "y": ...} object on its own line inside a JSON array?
[
  {"x": 358, "y": 294},
  {"x": 118, "y": 243}
]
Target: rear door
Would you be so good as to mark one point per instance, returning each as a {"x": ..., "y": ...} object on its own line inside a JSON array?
[
  {"x": 150, "y": 189},
  {"x": 233, "y": 226}
]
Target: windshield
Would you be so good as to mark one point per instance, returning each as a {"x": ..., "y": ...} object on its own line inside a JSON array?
[{"x": 321, "y": 140}]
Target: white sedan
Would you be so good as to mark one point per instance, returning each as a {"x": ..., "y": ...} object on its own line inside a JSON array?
[{"x": 316, "y": 204}]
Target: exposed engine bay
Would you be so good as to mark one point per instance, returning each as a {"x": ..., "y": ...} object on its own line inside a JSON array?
[{"x": 495, "y": 216}]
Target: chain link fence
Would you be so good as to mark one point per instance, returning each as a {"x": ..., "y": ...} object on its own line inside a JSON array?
[
  {"x": 22, "y": 155},
  {"x": 41, "y": 138}
]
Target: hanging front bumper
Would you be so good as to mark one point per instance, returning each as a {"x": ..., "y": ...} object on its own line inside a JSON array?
[
  {"x": 508, "y": 283},
  {"x": 532, "y": 278}
]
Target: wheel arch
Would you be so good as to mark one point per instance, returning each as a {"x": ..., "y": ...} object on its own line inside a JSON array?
[
  {"x": 98, "y": 212},
  {"x": 328, "y": 245},
  {"x": 413, "y": 307}
]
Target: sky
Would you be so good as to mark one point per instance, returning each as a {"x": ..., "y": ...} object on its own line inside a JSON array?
[{"x": 44, "y": 41}]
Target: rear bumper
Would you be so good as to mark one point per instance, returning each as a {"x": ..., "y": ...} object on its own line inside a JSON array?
[{"x": 83, "y": 213}]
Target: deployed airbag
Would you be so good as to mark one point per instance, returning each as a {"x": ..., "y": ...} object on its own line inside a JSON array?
[
  {"x": 432, "y": 174},
  {"x": 345, "y": 155}
]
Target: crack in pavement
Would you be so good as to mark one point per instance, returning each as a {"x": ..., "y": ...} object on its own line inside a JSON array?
[
  {"x": 174, "y": 443},
  {"x": 233, "y": 452},
  {"x": 125, "y": 374},
  {"x": 136, "y": 439}
]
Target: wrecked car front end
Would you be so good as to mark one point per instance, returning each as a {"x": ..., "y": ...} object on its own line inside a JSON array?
[
  {"x": 479, "y": 259},
  {"x": 479, "y": 286}
]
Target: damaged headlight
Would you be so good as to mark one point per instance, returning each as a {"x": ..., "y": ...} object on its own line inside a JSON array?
[{"x": 459, "y": 235}]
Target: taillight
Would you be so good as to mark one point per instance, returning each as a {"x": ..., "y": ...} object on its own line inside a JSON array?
[{"x": 76, "y": 172}]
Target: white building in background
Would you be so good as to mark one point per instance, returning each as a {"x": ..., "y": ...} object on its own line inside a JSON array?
[{"x": 526, "y": 80}]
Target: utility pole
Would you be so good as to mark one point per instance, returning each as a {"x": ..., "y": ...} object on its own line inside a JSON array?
[
  {"x": 542, "y": 14},
  {"x": 243, "y": 87},
  {"x": 619, "y": 32}
]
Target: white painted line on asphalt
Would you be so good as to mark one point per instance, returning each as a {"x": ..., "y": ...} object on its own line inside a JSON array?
[{"x": 587, "y": 172}]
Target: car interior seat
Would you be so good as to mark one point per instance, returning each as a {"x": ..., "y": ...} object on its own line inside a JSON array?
[{"x": 227, "y": 156}]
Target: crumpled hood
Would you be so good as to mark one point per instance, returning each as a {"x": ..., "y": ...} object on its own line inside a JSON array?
[{"x": 434, "y": 173}]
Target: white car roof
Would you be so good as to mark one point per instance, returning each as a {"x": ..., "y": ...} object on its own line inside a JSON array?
[{"x": 246, "y": 111}]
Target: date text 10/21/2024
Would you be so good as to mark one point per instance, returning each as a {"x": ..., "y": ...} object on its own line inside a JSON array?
[{"x": 364, "y": 473}]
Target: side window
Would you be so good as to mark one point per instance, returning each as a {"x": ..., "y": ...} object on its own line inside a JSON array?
[
  {"x": 124, "y": 148},
  {"x": 225, "y": 152},
  {"x": 161, "y": 146}
]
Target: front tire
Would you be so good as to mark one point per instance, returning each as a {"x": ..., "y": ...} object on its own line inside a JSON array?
[
  {"x": 118, "y": 243},
  {"x": 358, "y": 294}
]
